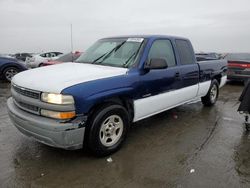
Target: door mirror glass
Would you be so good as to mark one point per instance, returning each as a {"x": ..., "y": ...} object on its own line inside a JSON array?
[{"x": 156, "y": 63}]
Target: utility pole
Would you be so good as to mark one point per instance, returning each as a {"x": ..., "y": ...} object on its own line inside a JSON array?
[{"x": 71, "y": 37}]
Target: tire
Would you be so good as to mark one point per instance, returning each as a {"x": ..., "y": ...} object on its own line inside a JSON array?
[
  {"x": 9, "y": 72},
  {"x": 108, "y": 129},
  {"x": 212, "y": 94}
]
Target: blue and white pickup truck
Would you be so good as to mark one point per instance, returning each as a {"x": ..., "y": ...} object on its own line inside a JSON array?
[{"x": 118, "y": 81}]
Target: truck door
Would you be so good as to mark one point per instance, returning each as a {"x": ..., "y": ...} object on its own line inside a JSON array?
[
  {"x": 160, "y": 87},
  {"x": 189, "y": 69}
]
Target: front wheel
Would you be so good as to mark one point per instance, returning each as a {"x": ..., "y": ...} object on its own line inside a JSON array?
[
  {"x": 108, "y": 129},
  {"x": 212, "y": 95}
]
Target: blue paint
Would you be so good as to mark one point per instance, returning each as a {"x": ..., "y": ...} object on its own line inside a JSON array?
[
  {"x": 10, "y": 62},
  {"x": 138, "y": 83}
]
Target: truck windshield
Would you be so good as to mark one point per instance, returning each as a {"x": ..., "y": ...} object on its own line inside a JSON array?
[{"x": 117, "y": 52}]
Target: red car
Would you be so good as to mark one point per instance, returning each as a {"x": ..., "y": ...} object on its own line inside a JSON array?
[
  {"x": 238, "y": 66},
  {"x": 69, "y": 57}
]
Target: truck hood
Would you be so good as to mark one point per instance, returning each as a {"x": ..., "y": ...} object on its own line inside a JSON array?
[{"x": 55, "y": 78}]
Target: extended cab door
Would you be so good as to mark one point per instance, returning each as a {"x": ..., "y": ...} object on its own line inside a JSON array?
[
  {"x": 159, "y": 87},
  {"x": 189, "y": 69}
]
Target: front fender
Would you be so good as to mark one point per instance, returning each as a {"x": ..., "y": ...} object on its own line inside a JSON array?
[
  {"x": 88, "y": 94},
  {"x": 85, "y": 104}
]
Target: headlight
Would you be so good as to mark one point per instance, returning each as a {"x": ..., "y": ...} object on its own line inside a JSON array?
[
  {"x": 57, "y": 98},
  {"x": 57, "y": 115}
]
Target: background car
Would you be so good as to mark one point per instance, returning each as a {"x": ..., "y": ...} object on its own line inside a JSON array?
[
  {"x": 38, "y": 59},
  {"x": 6, "y": 55},
  {"x": 238, "y": 66},
  {"x": 69, "y": 57},
  {"x": 203, "y": 58},
  {"x": 209, "y": 55},
  {"x": 22, "y": 56},
  {"x": 9, "y": 67}
]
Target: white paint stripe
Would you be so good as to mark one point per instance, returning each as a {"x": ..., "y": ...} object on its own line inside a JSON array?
[
  {"x": 223, "y": 81},
  {"x": 203, "y": 88},
  {"x": 149, "y": 106}
]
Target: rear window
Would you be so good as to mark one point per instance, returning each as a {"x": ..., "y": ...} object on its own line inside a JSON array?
[
  {"x": 238, "y": 56},
  {"x": 185, "y": 52}
]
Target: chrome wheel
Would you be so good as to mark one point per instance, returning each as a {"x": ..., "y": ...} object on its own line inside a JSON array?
[
  {"x": 9, "y": 73},
  {"x": 213, "y": 93},
  {"x": 111, "y": 130}
]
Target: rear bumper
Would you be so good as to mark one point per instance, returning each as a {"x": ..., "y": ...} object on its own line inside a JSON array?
[
  {"x": 238, "y": 75},
  {"x": 45, "y": 130}
]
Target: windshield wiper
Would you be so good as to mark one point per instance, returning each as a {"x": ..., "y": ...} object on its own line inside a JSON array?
[
  {"x": 99, "y": 57},
  {"x": 132, "y": 56},
  {"x": 106, "y": 55}
]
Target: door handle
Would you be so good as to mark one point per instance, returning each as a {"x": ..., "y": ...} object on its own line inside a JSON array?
[{"x": 177, "y": 76}]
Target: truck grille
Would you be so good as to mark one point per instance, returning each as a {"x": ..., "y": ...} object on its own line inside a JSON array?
[
  {"x": 27, "y": 107},
  {"x": 19, "y": 92},
  {"x": 26, "y": 92},
  {"x": 29, "y": 101}
]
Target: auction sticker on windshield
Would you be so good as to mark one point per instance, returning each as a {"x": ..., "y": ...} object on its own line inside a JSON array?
[{"x": 135, "y": 39}]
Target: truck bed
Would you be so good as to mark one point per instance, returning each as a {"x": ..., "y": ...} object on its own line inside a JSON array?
[{"x": 212, "y": 68}]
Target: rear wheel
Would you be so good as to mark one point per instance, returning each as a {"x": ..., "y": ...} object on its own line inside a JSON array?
[
  {"x": 108, "y": 129},
  {"x": 212, "y": 95},
  {"x": 10, "y": 72}
]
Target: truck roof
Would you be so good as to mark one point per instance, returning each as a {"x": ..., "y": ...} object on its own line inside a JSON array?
[{"x": 147, "y": 37}]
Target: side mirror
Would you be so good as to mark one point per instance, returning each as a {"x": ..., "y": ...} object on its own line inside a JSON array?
[{"x": 156, "y": 63}]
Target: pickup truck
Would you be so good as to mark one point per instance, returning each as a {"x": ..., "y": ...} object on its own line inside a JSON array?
[{"x": 119, "y": 80}]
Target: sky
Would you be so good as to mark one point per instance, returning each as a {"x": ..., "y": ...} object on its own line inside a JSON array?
[{"x": 44, "y": 25}]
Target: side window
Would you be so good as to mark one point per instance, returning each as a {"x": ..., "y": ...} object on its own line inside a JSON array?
[
  {"x": 185, "y": 52},
  {"x": 162, "y": 49},
  {"x": 52, "y": 55}
]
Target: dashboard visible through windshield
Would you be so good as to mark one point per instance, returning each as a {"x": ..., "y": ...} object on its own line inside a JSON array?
[{"x": 117, "y": 52}]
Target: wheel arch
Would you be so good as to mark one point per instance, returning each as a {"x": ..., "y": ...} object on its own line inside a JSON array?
[
  {"x": 122, "y": 100},
  {"x": 218, "y": 78},
  {"x": 8, "y": 66}
]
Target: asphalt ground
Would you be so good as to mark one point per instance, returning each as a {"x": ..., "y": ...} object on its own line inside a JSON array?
[{"x": 189, "y": 146}]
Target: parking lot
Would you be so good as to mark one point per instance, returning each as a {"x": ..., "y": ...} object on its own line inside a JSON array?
[{"x": 189, "y": 146}]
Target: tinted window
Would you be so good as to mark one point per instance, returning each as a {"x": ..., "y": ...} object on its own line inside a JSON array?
[
  {"x": 47, "y": 55},
  {"x": 162, "y": 49},
  {"x": 58, "y": 53},
  {"x": 52, "y": 55},
  {"x": 238, "y": 56},
  {"x": 185, "y": 52}
]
